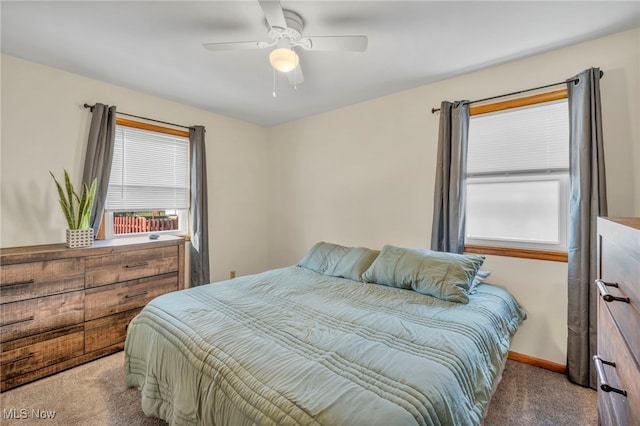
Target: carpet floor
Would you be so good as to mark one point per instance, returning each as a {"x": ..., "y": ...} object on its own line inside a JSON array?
[{"x": 95, "y": 394}]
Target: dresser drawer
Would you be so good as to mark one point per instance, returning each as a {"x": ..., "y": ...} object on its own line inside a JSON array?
[
  {"x": 606, "y": 415},
  {"x": 23, "y": 281},
  {"x": 130, "y": 265},
  {"x": 107, "y": 331},
  {"x": 120, "y": 297},
  {"x": 25, "y": 355},
  {"x": 27, "y": 317},
  {"x": 616, "y": 409},
  {"x": 619, "y": 267}
]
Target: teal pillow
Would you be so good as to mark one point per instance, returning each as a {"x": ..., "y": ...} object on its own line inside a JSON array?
[
  {"x": 339, "y": 261},
  {"x": 447, "y": 276}
]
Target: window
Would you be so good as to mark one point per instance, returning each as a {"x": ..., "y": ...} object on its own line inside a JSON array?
[
  {"x": 518, "y": 176},
  {"x": 149, "y": 182}
]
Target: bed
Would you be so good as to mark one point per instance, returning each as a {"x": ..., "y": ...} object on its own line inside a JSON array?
[{"x": 302, "y": 346}]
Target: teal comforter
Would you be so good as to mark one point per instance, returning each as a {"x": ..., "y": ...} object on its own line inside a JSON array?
[{"x": 293, "y": 347}]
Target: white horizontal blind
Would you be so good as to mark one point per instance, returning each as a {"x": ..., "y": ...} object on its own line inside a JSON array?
[
  {"x": 150, "y": 171},
  {"x": 532, "y": 138}
]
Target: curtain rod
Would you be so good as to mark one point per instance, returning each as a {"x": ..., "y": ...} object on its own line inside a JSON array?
[
  {"x": 142, "y": 118},
  {"x": 434, "y": 110}
]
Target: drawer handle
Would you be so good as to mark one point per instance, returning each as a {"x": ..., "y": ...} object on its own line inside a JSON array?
[
  {"x": 133, "y": 296},
  {"x": 31, "y": 318},
  {"x": 601, "y": 378},
  {"x": 608, "y": 297},
  {"x": 13, "y": 361},
  {"x": 137, "y": 265},
  {"x": 31, "y": 281}
]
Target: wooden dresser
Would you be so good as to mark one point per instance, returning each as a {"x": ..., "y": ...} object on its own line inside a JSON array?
[
  {"x": 618, "y": 359},
  {"x": 62, "y": 307}
]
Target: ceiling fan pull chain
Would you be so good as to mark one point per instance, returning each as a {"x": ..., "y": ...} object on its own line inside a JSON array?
[
  {"x": 295, "y": 70},
  {"x": 274, "y": 82}
]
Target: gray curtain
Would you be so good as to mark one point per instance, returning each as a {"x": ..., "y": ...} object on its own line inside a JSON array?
[
  {"x": 99, "y": 157},
  {"x": 199, "y": 212},
  {"x": 447, "y": 232},
  {"x": 588, "y": 200}
]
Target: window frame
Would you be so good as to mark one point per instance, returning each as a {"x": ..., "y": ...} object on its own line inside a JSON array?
[
  {"x": 526, "y": 253},
  {"x": 105, "y": 231}
]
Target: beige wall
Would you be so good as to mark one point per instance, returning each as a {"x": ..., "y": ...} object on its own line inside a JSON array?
[
  {"x": 364, "y": 174},
  {"x": 360, "y": 175},
  {"x": 44, "y": 127}
]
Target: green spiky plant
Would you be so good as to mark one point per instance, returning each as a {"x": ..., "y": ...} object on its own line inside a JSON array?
[{"x": 76, "y": 218}]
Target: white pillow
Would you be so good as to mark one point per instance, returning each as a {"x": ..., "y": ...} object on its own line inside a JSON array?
[{"x": 480, "y": 276}]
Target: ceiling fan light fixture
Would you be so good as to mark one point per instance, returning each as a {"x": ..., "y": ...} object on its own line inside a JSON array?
[{"x": 283, "y": 59}]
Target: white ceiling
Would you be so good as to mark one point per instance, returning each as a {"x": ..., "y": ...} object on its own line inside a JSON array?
[{"x": 156, "y": 46}]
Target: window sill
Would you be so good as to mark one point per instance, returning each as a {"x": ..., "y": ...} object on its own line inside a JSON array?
[
  {"x": 173, "y": 233},
  {"x": 554, "y": 256}
]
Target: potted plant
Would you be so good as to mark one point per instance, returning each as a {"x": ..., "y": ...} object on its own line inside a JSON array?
[{"x": 77, "y": 211}]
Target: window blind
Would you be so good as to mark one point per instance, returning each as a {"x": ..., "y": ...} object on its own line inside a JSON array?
[
  {"x": 533, "y": 139},
  {"x": 150, "y": 171}
]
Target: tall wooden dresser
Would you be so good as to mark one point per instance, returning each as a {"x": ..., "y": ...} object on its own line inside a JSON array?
[
  {"x": 618, "y": 359},
  {"x": 62, "y": 307}
]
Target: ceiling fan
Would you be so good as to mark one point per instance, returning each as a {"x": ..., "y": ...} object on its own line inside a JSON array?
[{"x": 285, "y": 34}]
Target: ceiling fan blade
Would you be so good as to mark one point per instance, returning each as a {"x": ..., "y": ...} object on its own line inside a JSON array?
[
  {"x": 234, "y": 45},
  {"x": 295, "y": 76},
  {"x": 273, "y": 12},
  {"x": 338, "y": 43}
]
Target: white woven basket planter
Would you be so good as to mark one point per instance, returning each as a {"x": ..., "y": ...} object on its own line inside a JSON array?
[{"x": 79, "y": 238}]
